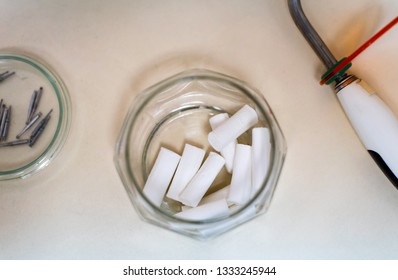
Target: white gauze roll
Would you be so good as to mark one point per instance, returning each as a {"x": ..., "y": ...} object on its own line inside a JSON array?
[
  {"x": 214, "y": 209},
  {"x": 228, "y": 151},
  {"x": 261, "y": 150},
  {"x": 233, "y": 127},
  {"x": 190, "y": 161},
  {"x": 203, "y": 179},
  {"x": 217, "y": 195},
  {"x": 241, "y": 181},
  {"x": 160, "y": 176}
]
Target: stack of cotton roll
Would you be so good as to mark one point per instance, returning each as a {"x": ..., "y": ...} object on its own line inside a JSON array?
[{"x": 188, "y": 177}]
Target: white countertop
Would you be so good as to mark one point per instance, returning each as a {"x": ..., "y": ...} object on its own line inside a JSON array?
[{"x": 332, "y": 201}]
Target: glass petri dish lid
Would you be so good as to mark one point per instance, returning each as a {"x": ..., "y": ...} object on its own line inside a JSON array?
[{"x": 45, "y": 138}]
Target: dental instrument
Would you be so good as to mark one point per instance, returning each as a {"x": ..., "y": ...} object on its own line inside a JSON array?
[{"x": 374, "y": 122}]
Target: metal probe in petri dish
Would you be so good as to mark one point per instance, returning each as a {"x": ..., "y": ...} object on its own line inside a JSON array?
[
  {"x": 39, "y": 129},
  {"x": 3, "y": 121},
  {"x": 14, "y": 143},
  {"x": 29, "y": 125},
  {"x": 34, "y": 103},
  {"x": 1, "y": 110},
  {"x": 7, "y": 124},
  {"x": 5, "y": 75}
]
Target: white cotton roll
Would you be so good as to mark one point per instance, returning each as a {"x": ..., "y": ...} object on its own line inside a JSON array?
[
  {"x": 160, "y": 176},
  {"x": 228, "y": 152},
  {"x": 261, "y": 150},
  {"x": 190, "y": 162},
  {"x": 241, "y": 182},
  {"x": 215, "y": 209},
  {"x": 217, "y": 195},
  {"x": 218, "y": 119},
  {"x": 185, "y": 208},
  {"x": 203, "y": 179},
  {"x": 232, "y": 128}
]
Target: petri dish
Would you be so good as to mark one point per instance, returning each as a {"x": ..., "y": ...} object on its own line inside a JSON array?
[{"x": 31, "y": 74}]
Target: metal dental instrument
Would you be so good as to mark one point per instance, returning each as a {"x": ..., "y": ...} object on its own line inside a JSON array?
[
  {"x": 14, "y": 143},
  {"x": 375, "y": 124},
  {"x": 39, "y": 129},
  {"x": 34, "y": 103},
  {"x": 5, "y": 75},
  {"x": 1, "y": 110},
  {"x": 29, "y": 125},
  {"x": 30, "y": 108},
  {"x": 7, "y": 124},
  {"x": 3, "y": 122}
]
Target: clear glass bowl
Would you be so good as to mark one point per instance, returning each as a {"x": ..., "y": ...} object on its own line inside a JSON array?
[
  {"x": 16, "y": 91},
  {"x": 176, "y": 111}
]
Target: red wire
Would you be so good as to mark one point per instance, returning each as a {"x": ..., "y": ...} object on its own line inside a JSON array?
[{"x": 346, "y": 61}]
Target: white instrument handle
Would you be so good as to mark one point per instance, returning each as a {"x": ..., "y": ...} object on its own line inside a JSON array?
[{"x": 375, "y": 124}]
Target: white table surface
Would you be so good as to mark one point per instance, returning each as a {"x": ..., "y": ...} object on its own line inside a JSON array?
[{"x": 332, "y": 201}]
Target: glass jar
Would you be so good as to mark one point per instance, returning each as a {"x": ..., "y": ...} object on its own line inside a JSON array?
[{"x": 174, "y": 112}]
